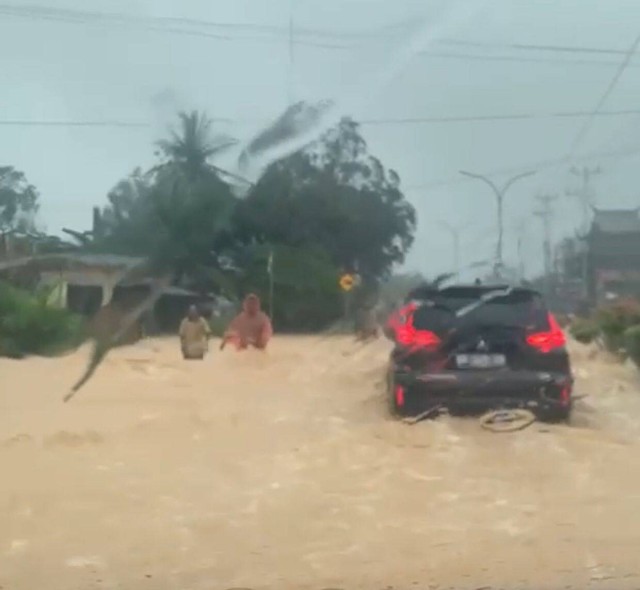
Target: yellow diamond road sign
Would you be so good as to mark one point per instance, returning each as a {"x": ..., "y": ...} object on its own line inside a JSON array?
[{"x": 347, "y": 282}]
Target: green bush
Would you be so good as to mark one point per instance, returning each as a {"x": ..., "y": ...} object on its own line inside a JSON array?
[
  {"x": 585, "y": 330},
  {"x": 615, "y": 319},
  {"x": 29, "y": 326},
  {"x": 632, "y": 343},
  {"x": 306, "y": 298}
]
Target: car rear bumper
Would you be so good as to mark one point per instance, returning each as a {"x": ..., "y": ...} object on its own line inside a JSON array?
[{"x": 480, "y": 389}]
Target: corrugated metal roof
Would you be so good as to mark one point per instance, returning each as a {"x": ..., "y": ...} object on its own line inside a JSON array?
[
  {"x": 617, "y": 221},
  {"x": 112, "y": 260},
  {"x": 65, "y": 260},
  {"x": 170, "y": 290}
]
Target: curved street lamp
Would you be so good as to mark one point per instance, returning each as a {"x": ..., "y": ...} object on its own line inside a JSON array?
[{"x": 499, "y": 193}]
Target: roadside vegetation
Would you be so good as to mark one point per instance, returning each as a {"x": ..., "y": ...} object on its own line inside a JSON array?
[
  {"x": 29, "y": 325},
  {"x": 328, "y": 208},
  {"x": 615, "y": 327}
]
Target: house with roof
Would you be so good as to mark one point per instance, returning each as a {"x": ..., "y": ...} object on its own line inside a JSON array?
[
  {"x": 93, "y": 284},
  {"x": 613, "y": 254},
  {"x": 87, "y": 280}
]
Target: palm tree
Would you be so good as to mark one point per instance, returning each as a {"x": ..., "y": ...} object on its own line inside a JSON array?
[
  {"x": 190, "y": 149},
  {"x": 188, "y": 152}
]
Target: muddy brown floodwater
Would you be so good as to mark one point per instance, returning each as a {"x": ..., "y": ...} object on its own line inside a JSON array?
[{"x": 283, "y": 471}]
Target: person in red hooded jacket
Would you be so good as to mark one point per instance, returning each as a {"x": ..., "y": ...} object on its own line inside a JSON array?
[{"x": 251, "y": 327}]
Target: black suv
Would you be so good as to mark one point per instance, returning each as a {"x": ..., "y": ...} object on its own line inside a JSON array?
[{"x": 476, "y": 348}]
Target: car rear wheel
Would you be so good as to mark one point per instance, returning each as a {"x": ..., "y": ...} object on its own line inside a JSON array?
[{"x": 556, "y": 414}]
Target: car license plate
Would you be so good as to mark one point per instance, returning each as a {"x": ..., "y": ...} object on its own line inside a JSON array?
[{"x": 480, "y": 361}]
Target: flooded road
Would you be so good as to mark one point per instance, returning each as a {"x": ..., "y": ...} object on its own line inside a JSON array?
[{"x": 284, "y": 471}]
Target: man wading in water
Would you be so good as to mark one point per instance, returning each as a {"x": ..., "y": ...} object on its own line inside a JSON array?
[
  {"x": 194, "y": 335},
  {"x": 251, "y": 327}
]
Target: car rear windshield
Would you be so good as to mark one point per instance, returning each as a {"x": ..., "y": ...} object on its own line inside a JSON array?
[{"x": 521, "y": 309}]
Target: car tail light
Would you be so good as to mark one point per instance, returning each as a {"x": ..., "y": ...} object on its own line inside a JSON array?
[
  {"x": 400, "y": 317},
  {"x": 565, "y": 395},
  {"x": 549, "y": 340},
  {"x": 399, "y": 393},
  {"x": 408, "y": 336},
  {"x": 401, "y": 324}
]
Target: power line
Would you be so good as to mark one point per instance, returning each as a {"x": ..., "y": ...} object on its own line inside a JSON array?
[
  {"x": 586, "y": 127},
  {"x": 31, "y": 11},
  {"x": 42, "y": 123},
  {"x": 537, "y": 47},
  {"x": 510, "y": 117},
  {"x": 540, "y": 165},
  {"x": 391, "y": 32},
  {"x": 152, "y": 24},
  {"x": 364, "y": 122},
  {"x": 522, "y": 59}
]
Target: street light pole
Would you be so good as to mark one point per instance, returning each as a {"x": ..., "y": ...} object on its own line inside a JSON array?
[
  {"x": 521, "y": 234},
  {"x": 290, "y": 95},
  {"x": 546, "y": 214},
  {"x": 455, "y": 234},
  {"x": 499, "y": 193}
]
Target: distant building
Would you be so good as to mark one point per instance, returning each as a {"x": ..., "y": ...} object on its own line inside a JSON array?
[
  {"x": 88, "y": 280},
  {"x": 613, "y": 254}
]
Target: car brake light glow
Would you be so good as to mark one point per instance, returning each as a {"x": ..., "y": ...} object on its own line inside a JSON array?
[
  {"x": 549, "y": 340},
  {"x": 399, "y": 393},
  {"x": 399, "y": 317},
  {"x": 565, "y": 395},
  {"x": 408, "y": 336}
]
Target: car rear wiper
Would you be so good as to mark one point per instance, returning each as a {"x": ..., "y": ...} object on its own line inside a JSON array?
[{"x": 463, "y": 311}]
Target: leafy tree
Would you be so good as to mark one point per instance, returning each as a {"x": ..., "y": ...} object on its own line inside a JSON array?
[
  {"x": 131, "y": 223},
  {"x": 306, "y": 296},
  {"x": 18, "y": 200},
  {"x": 335, "y": 196}
]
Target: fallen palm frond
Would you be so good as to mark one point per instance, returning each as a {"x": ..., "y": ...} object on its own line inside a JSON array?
[
  {"x": 105, "y": 342},
  {"x": 102, "y": 345}
]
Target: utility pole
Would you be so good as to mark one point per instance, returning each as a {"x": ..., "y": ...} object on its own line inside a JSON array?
[
  {"x": 586, "y": 199},
  {"x": 584, "y": 193},
  {"x": 455, "y": 235},
  {"x": 521, "y": 266},
  {"x": 545, "y": 213},
  {"x": 499, "y": 193},
  {"x": 290, "y": 76}
]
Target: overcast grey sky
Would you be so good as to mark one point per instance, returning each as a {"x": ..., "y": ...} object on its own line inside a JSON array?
[{"x": 64, "y": 67}]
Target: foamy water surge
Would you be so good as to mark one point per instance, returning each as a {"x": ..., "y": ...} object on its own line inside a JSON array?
[{"x": 284, "y": 471}]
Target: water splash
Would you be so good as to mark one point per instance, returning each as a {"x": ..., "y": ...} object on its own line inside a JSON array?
[{"x": 298, "y": 126}]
